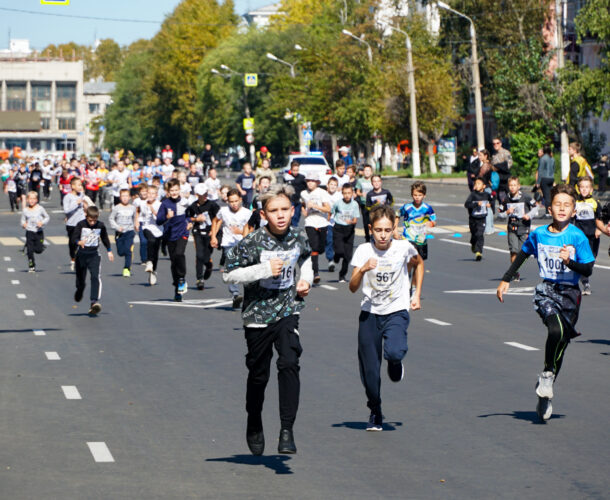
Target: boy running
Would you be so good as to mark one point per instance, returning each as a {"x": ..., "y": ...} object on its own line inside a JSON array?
[
  {"x": 245, "y": 184},
  {"x": 124, "y": 220},
  {"x": 87, "y": 235},
  {"x": 147, "y": 216},
  {"x": 363, "y": 186},
  {"x": 345, "y": 213},
  {"x": 382, "y": 268},
  {"x": 316, "y": 205},
  {"x": 378, "y": 195},
  {"x": 74, "y": 208},
  {"x": 265, "y": 262},
  {"x": 33, "y": 218},
  {"x": 564, "y": 255},
  {"x": 477, "y": 204},
  {"x": 418, "y": 216}
]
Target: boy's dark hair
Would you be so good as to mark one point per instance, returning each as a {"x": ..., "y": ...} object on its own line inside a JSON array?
[
  {"x": 514, "y": 178},
  {"x": 546, "y": 149},
  {"x": 563, "y": 189},
  {"x": 367, "y": 165},
  {"x": 339, "y": 163},
  {"x": 93, "y": 212},
  {"x": 142, "y": 187},
  {"x": 264, "y": 177},
  {"x": 347, "y": 185},
  {"x": 333, "y": 178},
  {"x": 172, "y": 182},
  {"x": 157, "y": 178},
  {"x": 122, "y": 190},
  {"x": 233, "y": 192},
  {"x": 376, "y": 175},
  {"x": 575, "y": 146},
  {"x": 381, "y": 211},
  {"x": 294, "y": 163},
  {"x": 284, "y": 190},
  {"x": 418, "y": 186},
  {"x": 351, "y": 167},
  {"x": 479, "y": 179},
  {"x": 584, "y": 178},
  {"x": 74, "y": 179}
]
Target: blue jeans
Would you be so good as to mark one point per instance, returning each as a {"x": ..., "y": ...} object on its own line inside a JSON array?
[
  {"x": 143, "y": 245},
  {"x": 124, "y": 246},
  {"x": 374, "y": 332},
  {"x": 296, "y": 218},
  {"x": 329, "y": 248}
]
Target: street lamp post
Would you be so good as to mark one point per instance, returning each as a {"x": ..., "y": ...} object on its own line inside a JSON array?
[
  {"x": 302, "y": 146},
  {"x": 565, "y": 155},
  {"x": 476, "y": 79},
  {"x": 369, "y": 50}
]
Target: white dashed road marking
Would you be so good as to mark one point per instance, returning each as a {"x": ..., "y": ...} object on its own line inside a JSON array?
[
  {"x": 28, "y": 312},
  {"x": 71, "y": 392},
  {"x": 39, "y": 333},
  {"x": 492, "y": 249},
  {"x": 524, "y": 290},
  {"x": 21, "y": 296},
  {"x": 100, "y": 452},
  {"x": 10, "y": 270},
  {"x": 15, "y": 282},
  {"x": 52, "y": 356},
  {"x": 7, "y": 259},
  {"x": 437, "y": 322},
  {"x": 329, "y": 287},
  {"x": 521, "y": 346},
  {"x": 197, "y": 303}
]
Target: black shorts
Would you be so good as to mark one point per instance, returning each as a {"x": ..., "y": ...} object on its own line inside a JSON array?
[
  {"x": 558, "y": 299},
  {"x": 422, "y": 250}
]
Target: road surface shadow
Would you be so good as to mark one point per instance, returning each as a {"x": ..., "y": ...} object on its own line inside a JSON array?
[
  {"x": 29, "y": 330},
  {"x": 593, "y": 341},
  {"x": 528, "y": 416},
  {"x": 361, "y": 426},
  {"x": 277, "y": 463}
]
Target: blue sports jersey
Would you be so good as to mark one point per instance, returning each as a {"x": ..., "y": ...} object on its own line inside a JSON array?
[
  {"x": 415, "y": 219},
  {"x": 545, "y": 246}
]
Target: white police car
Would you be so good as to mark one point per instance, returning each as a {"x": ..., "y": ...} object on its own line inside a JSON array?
[{"x": 313, "y": 162}]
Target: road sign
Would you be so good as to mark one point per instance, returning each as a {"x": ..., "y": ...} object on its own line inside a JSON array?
[
  {"x": 249, "y": 138},
  {"x": 55, "y": 2},
  {"x": 251, "y": 80},
  {"x": 248, "y": 124},
  {"x": 308, "y": 134}
]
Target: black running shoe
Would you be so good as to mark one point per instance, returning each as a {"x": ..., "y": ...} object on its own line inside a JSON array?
[
  {"x": 96, "y": 308},
  {"x": 375, "y": 423},
  {"x": 200, "y": 285},
  {"x": 286, "y": 444},
  {"x": 177, "y": 297},
  {"x": 331, "y": 268},
  {"x": 208, "y": 271},
  {"x": 316, "y": 279},
  {"x": 256, "y": 442},
  {"x": 237, "y": 300},
  {"x": 396, "y": 371},
  {"x": 78, "y": 295}
]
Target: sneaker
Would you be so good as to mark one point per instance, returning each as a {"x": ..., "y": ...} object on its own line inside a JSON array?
[
  {"x": 396, "y": 371},
  {"x": 182, "y": 287},
  {"x": 72, "y": 265},
  {"x": 96, "y": 307},
  {"x": 177, "y": 297},
  {"x": 472, "y": 248},
  {"x": 31, "y": 267},
  {"x": 478, "y": 256},
  {"x": 375, "y": 423},
  {"x": 152, "y": 278},
  {"x": 331, "y": 268},
  {"x": 342, "y": 279},
  {"x": 200, "y": 285},
  {"x": 256, "y": 442},
  {"x": 544, "y": 387},
  {"x": 544, "y": 408},
  {"x": 586, "y": 289},
  {"x": 517, "y": 277},
  {"x": 237, "y": 300},
  {"x": 126, "y": 273},
  {"x": 316, "y": 279},
  {"x": 208, "y": 270},
  {"x": 286, "y": 442},
  {"x": 78, "y": 295},
  {"x": 149, "y": 267}
]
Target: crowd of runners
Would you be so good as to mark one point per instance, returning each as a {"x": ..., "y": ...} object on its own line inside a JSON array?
[{"x": 270, "y": 258}]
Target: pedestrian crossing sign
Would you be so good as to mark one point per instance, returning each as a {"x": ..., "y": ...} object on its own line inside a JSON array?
[
  {"x": 55, "y": 2},
  {"x": 251, "y": 79},
  {"x": 248, "y": 124}
]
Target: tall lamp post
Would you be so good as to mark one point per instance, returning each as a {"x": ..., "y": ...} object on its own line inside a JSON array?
[
  {"x": 565, "y": 156},
  {"x": 369, "y": 50},
  {"x": 476, "y": 79}
]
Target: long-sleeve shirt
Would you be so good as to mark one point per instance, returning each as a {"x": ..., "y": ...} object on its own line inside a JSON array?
[
  {"x": 522, "y": 204},
  {"x": 175, "y": 227},
  {"x": 122, "y": 218},
  {"x": 32, "y": 216},
  {"x": 73, "y": 210},
  {"x": 93, "y": 235},
  {"x": 476, "y": 209}
]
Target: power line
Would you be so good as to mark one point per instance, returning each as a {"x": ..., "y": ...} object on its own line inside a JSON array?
[{"x": 74, "y": 16}]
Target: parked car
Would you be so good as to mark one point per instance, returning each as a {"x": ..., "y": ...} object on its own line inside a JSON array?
[{"x": 310, "y": 163}]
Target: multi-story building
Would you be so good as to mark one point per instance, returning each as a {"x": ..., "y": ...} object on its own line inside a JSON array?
[{"x": 98, "y": 96}]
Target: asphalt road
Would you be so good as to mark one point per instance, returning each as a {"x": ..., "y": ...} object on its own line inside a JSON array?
[{"x": 162, "y": 387}]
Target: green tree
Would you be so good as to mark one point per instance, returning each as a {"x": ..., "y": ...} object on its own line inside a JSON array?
[{"x": 107, "y": 60}]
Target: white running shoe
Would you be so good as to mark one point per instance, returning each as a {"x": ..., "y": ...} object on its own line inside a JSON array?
[
  {"x": 152, "y": 278},
  {"x": 72, "y": 265},
  {"x": 544, "y": 408},
  {"x": 544, "y": 387},
  {"x": 149, "y": 267}
]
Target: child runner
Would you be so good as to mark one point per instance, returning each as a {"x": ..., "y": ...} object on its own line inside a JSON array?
[
  {"x": 383, "y": 268},
  {"x": 332, "y": 188},
  {"x": 172, "y": 214},
  {"x": 233, "y": 218},
  {"x": 213, "y": 184},
  {"x": 316, "y": 205},
  {"x": 564, "y": 255},
  {"x": 88, "y": 234},
  {"x": 201, "y": 213},
  {"x": 418, "y": 216},
  {"x": 588, "y": 218},
  {"x": 345, "y": 213},
  {"x": 256, "y": 221},
  {"x": 520, "y": 209},
  {"x": 124, "y": 220},
  {"x": 10, "y": 186},
  {"x": 363, "y": 186},
  {"x": 74, "y": 208},
  {"x": 477, "y": 204},
  {"x": 378, "y": 196},
  {"x": 147, "y": 216},
  {"x": 245, "y": 184},
  {"x": 265, "y": 262},
  {"x": 138, "y": 202},
  {"x": 33, "y": 218},
  {"x": 340, "y": 173},
  {"x": 118, "y": 178}
]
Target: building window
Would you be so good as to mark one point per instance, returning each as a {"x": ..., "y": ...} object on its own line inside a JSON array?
[
  {"x": 66, "y": 123},
  {"x": 41, "y": 98},
  {"x": 45, "y": 123},
  {"x": 15, "y": 97},
  {"x": 65, "y": 144},
  {"x": 66, "y": 98},
  {"x": 94, "y": 108}
]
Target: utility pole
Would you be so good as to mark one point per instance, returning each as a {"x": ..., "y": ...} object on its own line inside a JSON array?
[
  {"x": 413, "y": 109},
  {"x": 565, "y": 156}
]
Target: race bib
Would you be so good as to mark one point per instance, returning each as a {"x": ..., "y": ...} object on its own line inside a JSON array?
[
  {"x": 246, "y": 183},
  {"x": 416, "y": 232},
  {"x": 384, "y": 281},
  {"x": 286, "y": 276},
  {"x": 584, "y": 211},
  {"x": 518, "y": 209},
  {"x": 552, "y": 266}
]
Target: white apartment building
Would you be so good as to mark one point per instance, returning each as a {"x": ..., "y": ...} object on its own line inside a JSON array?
[{"x": 97, "y": 96}]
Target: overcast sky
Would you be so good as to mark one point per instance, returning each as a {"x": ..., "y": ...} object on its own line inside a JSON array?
[{"x": 43, "y": 30}]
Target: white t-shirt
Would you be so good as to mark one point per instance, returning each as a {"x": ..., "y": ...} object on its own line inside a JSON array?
[
  {"x": 344, "y": 179},
  {"x": 148, "y": 219},
  {"x": 315, "y": 218},
  {"x": 119, "y": 180},
  {"x": 167, "y": 171},
  {"x": 213, "y": 186},
  {"x": 231, "y": 220},
  {"x": 387, "y": 288}
]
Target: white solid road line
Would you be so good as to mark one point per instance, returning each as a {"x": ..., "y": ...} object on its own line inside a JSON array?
[
  {"x": 492, "y": 249},
  {"x": 100, "y": 452},
  {"x": 437, "y": 322},
  {"x": 15, "y": 282},
  {"x": 524, "y": 290},
  {"x": 10, "y": 269},
  {"x": 329, "y": 287},
  {"x": 7, "y": 259},
  {"x": 52, "y": 356},
  {"x": 21, "y": 296},
  {"x": 199, "y": 304},
  {"x": 28, "y": 312},
  {"x": 71, "y": 392},
  {"x": 521, "y": 346},
  {"x": 39, "y": 333}
]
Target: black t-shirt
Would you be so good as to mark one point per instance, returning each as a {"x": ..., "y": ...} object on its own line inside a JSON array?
[
  {"x": 209, "y": 208},
  {"x": 299, "y": 184}
]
